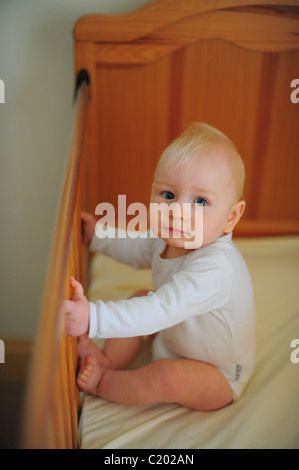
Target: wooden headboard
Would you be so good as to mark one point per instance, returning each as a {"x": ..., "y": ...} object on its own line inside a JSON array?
[
  {"x": 232, "y": 64},
  {"x": 227, "y": 63}
]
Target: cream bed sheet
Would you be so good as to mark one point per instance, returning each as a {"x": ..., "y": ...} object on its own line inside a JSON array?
[{"x": 266, "y": 416}]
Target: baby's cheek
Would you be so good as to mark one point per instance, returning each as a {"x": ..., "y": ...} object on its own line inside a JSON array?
[{"x": 157, "y": 218}]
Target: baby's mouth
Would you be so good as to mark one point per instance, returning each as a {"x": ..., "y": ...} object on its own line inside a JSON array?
[{"x": 176, "y": 231}]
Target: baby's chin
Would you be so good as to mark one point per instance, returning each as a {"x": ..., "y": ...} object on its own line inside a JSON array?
[{"x": 183, "y": 242}]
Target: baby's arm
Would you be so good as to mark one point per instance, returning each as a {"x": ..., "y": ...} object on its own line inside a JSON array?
[
  {"x": 76, "y": 311},
  {"x": 122, "y": 245},
  {"x": 189, "y": 293}
]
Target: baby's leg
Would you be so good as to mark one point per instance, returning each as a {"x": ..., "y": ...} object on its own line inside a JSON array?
[
  {"x": 117, "y": 353},
  {"x": 193, "y": 384}
]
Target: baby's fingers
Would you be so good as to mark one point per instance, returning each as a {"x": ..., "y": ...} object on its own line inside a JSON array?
[
  {"x": 85, "y": 216},
  {"x": 78, "y": 291}
]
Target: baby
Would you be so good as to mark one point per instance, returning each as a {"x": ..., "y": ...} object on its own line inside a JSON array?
[{"x": 201, "y": 314}]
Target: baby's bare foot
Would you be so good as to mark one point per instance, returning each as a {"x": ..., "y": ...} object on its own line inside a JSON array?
[{"x": 90, "y": 375}]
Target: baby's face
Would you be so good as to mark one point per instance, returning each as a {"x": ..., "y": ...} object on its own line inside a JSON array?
[{"x": 206, "y": 189}]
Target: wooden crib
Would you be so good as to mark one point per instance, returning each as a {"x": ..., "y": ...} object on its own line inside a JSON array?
[{"x": 142, "y": 78}]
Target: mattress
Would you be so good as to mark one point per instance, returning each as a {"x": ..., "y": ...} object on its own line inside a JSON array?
[{"x": 267, "y": 414}]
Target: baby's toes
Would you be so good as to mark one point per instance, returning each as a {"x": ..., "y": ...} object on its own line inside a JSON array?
[{"x": 86, "y": 373}]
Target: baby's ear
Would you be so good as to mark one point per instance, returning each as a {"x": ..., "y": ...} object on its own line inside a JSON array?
[{"x": 234, "y": 216}]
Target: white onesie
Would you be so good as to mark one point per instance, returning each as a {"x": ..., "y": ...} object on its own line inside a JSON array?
[{"x": 202, "y": 307}]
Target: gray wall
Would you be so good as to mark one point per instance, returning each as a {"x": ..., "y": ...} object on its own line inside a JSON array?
[{"x": 36, "y": 65}]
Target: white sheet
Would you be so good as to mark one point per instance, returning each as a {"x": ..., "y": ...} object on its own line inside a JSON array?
[{"x": 266, "y": 416}]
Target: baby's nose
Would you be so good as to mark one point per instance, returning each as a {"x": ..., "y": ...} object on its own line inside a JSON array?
[{"x": 182, "y": 210}]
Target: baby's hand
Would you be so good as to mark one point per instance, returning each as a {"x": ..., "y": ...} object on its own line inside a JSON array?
[
  {"x": 88, "y": 226},
  {"x": 76, "y": 311}
]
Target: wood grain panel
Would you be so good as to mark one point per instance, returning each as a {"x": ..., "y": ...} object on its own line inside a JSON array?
[
  {"x": 161, "y": 67},
  {"x": 279, "y": 190},
  {"x": 244, "y": 93},
  {"x": 253, "y": 28},
  {"x": 157, "y": 15},
  {"x": 133, "y": 129},
  {"x": 221, "y": 87}
]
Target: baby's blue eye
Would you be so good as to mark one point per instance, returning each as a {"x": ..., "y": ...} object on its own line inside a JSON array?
[
  {"x": 200, "y": 201},
  {"x": 168, "y": 195}
]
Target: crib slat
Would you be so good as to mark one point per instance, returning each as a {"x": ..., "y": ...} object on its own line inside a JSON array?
[
  {"x": 71, "y": 343},
  {"x": 61, "y": 405},
  {"x": 73, "y": 392},
  {"x": 50, "y": 418}
]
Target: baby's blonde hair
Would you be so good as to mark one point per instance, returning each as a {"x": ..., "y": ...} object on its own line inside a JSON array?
[{"x": 198, "y": 139}]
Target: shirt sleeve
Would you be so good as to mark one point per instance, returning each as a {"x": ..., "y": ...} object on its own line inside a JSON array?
[
  {"x": 125, "y": 247},
  {"x": 192, "y": 291}
]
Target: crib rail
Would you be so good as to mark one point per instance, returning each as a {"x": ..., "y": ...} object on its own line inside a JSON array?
[{"x": 51, "y": 408}]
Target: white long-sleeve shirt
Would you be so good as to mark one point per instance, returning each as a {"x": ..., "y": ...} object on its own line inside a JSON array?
[{"x": 202, "y": 307}]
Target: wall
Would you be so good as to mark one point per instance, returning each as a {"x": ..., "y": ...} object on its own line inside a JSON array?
[{"x": 36, "y": 65}]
